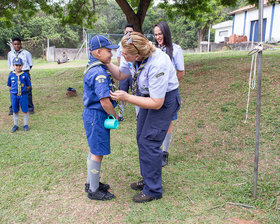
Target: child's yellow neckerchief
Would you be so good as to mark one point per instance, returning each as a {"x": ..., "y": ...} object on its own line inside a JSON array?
[{"x": 19, "y": 84}]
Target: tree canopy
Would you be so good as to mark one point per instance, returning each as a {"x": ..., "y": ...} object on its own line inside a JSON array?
[
  {"x": 79, "y": 12},
  {"x": 193, "y": 9},
  {"x": 36, "y": 30},
  {"x": 188, "y": 29},
  {"x": 82, "y": 12}
]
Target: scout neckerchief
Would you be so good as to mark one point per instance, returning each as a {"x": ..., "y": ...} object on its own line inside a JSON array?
[
  {"x": 163, "y": 48},
  {"x": 19, "y": 83},
  {"x": 137, "y": 72},
  {"x": 18, "y": 52},
  {"x": 114, "y": 88},
  {"x": 94, "y": 62}
]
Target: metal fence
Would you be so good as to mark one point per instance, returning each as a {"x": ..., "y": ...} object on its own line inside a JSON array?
[{"x": 51, "y": 50}]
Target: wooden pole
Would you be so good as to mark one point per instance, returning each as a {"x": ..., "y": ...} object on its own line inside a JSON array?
[{"x": 258, "y": 113}]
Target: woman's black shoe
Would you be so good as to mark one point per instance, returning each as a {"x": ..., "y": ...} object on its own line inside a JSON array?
[
  {"x": 142, "y": 198},
  {"x": 138, "y": 186}
]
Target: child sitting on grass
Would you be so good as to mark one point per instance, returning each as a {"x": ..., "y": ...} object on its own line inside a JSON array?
[{"x": 19, "y": 84}]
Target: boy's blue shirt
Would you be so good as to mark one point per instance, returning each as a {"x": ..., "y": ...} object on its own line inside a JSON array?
[
  {"x": 13, "y": 82},
  {"x": 97, "y": 85}
]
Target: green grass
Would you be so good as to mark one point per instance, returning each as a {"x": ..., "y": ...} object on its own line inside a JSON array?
[{"x": 43, "y": 171}]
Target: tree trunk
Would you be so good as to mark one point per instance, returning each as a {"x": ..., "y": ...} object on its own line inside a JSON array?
[
  {"x": 201, "y": 34},
  {"x": 132, "y": 18},
  {"x": 199, "y": 39}
]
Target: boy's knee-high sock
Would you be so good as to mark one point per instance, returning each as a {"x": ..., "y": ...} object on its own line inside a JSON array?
[
  {"x": 166, "y": 142},
  {"x": 88, "y": 158},
  {"x": 15, "y": 117},
  {"x": 25, "y": 119},
  {"x": 93, "y": 174}
]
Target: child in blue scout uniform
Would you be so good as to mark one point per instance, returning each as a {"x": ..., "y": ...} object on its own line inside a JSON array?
[
  {"x": 27, "y": 65},
  {"x": 156, "y": 80},
  {"x": 163, "y": 40},
  {"x": 98, "y": 105},
  {"x": 19, "y": 84}
]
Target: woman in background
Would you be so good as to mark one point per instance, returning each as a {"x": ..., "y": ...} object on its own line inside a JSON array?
[{"x": 163, "y": 41}]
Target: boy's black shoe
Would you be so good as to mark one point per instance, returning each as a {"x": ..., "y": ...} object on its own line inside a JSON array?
[
  {"x": 138, "y": 186},
  {"x": 10, "y": 113},
  {"x": 102, "y": 187},
  {"x": 120, "y": 119},
  {"x": 31, "y": 112},
  {"x": 25, "y": 128},
  {"x": 142, "y": 198},
  {"x": 14, "y": 129},
  {"x": 164, "y": 159},
  {"x": 100, "y": 195}
]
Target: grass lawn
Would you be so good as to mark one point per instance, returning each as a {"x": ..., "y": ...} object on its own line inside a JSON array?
[{"x": 209, "y": 178}]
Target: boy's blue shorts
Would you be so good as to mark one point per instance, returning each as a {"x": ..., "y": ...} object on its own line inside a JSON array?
[
  {"x": 97, "y": 135},
  {"x": 19, "y": 100}
]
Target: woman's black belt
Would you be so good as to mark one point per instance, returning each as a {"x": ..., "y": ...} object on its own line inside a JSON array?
[{"x": 145, "y": 95}]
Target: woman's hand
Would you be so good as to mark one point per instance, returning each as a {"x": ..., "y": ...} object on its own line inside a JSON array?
[
  {"x": 140, "y": 101},
  {"x": 115, "y": 72},
  {"x": 119, "y": 95}
]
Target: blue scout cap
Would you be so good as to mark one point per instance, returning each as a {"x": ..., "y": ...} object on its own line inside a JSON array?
[
  {"x": 17, "y": 61},
  {"x": 100, "y": 41}
]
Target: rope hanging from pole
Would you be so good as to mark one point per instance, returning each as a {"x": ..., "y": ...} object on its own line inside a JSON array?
[{"x": 252, "y": 80}]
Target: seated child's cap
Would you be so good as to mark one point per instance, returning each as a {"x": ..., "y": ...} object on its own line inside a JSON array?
[
  {"x": 100, "y": 41},
  {"x": 17, "y": 61}
]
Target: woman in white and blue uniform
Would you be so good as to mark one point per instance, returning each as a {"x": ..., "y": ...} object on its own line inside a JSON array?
[
  {"x": 159, "y": 101},
  {"x": 163, "y": 41}
]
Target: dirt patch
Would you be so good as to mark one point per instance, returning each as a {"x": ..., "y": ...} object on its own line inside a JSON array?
[
  {"x": 5, "y": 118},
  {"x": 53, "y": 65},
  {"x": 67, "y": 202},
  {"x": 58, "y": 66},
  {"x": 241, "y": 221}
]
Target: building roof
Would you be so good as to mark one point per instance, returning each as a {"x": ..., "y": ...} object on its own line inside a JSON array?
[
  {"x": 246, "y": 8},
  {"x": 223, "y": 24}
]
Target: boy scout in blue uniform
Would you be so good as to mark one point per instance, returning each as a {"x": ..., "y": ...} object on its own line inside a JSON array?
[
  {"x": 98, "y": 105},
  {"x": 19, "y": 84}
]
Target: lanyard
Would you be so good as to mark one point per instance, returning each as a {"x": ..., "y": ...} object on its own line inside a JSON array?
[
  {"x": 163, "y": 48},
  {"x": 19, "y": 83},
  {"x": 17, "y": 53},
  {"x": 114, "y": 88},
  {"x": 137, "y": 72}
]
